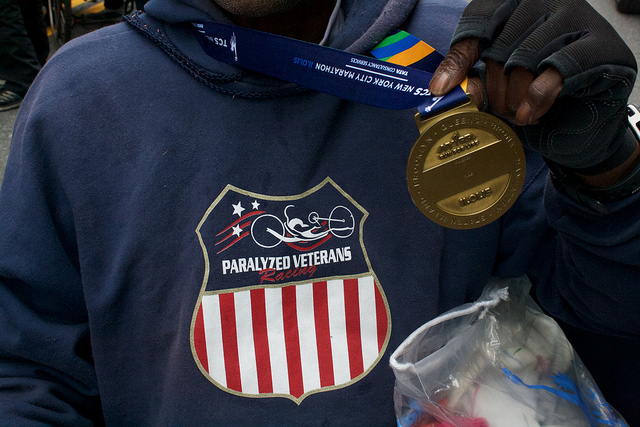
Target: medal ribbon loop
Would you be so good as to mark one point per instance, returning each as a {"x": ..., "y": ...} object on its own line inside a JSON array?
[{"x": 391, "y": 85}]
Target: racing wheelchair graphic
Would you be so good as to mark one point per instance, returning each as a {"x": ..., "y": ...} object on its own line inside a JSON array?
[{"x": 268, "y": 231}]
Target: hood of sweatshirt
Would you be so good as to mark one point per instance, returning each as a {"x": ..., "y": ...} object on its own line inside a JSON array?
[{"x": 168, "y": 24}]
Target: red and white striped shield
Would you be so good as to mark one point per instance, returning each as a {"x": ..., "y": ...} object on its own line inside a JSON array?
[{"x": 289, "y": 305}]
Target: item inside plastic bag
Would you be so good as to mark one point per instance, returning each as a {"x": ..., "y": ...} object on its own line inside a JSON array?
[{"x": 498, "y": 362}]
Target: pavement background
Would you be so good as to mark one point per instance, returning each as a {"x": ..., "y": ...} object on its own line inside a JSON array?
[{"x": 627, "y": 25}]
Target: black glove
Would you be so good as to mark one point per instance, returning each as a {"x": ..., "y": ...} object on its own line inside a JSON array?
[{"x": 584, "y": 130}]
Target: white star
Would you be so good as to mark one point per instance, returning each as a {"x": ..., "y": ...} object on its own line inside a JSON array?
[
  {"x": 237, "y": 230},
  {"x": 255, "y": 205},
  {"x": 237, "y": 209}
]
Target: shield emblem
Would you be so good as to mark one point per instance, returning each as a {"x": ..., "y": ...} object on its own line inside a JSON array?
[{"x": 289, "y": 305}]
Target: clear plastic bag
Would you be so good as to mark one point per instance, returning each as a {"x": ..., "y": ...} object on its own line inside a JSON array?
[{"x": 498, "y": 362}]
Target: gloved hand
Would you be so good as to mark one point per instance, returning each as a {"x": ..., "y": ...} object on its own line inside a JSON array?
[{"x": 556, "y": 68}]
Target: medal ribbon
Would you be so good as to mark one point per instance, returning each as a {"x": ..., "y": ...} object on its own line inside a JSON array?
[{"x": 387, "y": 82}]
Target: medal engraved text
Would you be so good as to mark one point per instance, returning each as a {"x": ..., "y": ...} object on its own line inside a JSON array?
[
  {"x": 474, "y": 197},
  {"x": 457, "y": 144}
]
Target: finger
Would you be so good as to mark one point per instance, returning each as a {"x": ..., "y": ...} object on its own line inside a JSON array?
[
  {"x": 497, "y": 84},
  {"x": 455, "y": 66},
  {"x": 518, "y": 85},
  {"x": 540, "y": 97},
  {"x": 476, "y": 90}
]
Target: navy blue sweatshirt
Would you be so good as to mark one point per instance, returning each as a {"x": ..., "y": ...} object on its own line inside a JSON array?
[{"x": 183, "y": 242}]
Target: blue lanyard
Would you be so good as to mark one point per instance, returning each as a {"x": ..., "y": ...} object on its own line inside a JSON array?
[{"x": 346, "y": 75}]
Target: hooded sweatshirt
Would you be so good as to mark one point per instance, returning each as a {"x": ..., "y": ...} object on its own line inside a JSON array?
[{"x": 183, "y": 242}]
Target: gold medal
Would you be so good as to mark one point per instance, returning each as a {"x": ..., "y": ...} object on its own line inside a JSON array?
[{"x": 466, "y": 169}]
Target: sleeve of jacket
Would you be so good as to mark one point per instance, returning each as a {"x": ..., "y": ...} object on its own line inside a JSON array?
[
  {"x": 46, "y": 371},
  {"x": 597, "y": 264},
  {"x": 585, "y": 266}
]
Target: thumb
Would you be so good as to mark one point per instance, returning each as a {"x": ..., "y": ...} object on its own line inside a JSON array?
[{"x": 455, "y": 66}]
